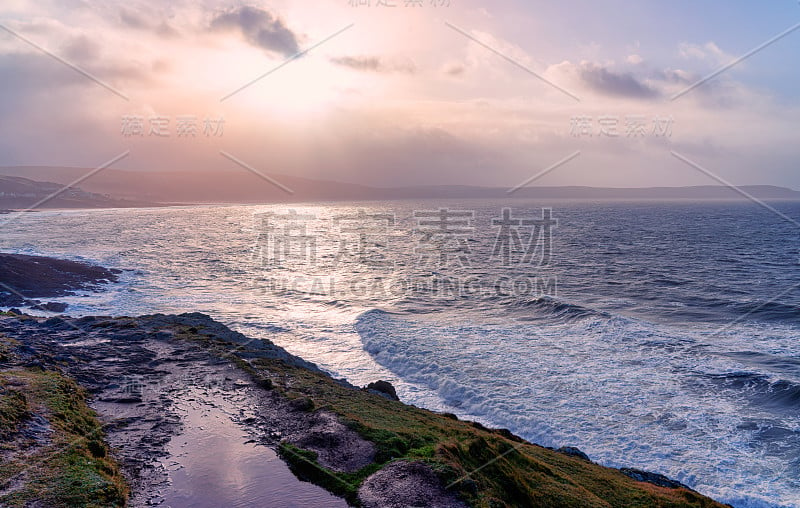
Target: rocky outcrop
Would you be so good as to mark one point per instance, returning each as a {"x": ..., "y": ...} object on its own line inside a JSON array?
[
  {"x": 383, "y": 388},
  {"x": 654, "y": 478},
  {"x": 24, "y": 279},
  {"x": 368, "y": 449},
  {"x": 574, "y": 452}
]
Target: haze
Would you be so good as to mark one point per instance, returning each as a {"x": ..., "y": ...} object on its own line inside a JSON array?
[{"x": 406, "y": 95}]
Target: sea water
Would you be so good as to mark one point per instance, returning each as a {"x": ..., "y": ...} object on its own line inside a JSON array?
[{"x": 658, "y": 335}]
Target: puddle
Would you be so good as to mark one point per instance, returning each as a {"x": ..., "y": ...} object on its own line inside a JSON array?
[{"x": 212, "y": 464}]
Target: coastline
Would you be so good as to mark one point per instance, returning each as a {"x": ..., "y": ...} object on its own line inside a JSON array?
[
  {"x": 356, "y": 443},
  {"x": 25, "y": 280}
]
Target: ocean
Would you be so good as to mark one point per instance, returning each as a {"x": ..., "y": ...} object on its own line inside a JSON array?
[{"x": 657, "y": 335}]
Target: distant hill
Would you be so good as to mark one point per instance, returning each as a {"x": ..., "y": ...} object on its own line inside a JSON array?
[
  {"x": 22, "y": 193},
  {"x": 703, "y": 192},
  {"x": 237, "y": 185}
]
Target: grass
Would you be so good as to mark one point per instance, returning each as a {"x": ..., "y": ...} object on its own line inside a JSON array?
[
  {"x": 14, "y": 410},
  {"x": 487, "y": 468},
  {"x": 70, "y": 465}
]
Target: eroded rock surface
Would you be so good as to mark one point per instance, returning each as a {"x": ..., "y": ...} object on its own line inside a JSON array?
[{"x": 140, "y": 370}]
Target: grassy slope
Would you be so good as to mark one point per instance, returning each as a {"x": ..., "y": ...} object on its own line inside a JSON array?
[
  {"x": 525, "y": 475},
  {"x": 73, "y": 467}
]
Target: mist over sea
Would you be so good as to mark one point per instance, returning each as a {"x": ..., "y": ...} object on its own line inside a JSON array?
[{"x": 658, "y": 335}]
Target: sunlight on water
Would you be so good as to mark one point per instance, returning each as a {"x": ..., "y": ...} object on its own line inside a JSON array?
[{"x": 630, "y": 356}]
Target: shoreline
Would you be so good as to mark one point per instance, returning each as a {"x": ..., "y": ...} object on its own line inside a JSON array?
[
  {"x": 356, "y": 443},
  {"x": 26, "y": 279}
]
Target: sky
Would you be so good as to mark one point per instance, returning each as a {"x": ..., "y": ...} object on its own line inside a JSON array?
[{"x": 391, "y": 93}]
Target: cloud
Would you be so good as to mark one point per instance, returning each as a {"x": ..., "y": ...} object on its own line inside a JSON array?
[
  {"x": 707, "y": 51},
  {"x": 81, "y": 49},
  {"x": 717, "y": 93},
  {"x": 260, "y": 28},
  {"x": 374, "y": 64},
  {"x": 676, "y": 76},
  {"x": 635, "y": 59},
  {"x": 454, "y": 69},
  {"x": 134, "y": 20},
  {"x": 604, "y": 80}
]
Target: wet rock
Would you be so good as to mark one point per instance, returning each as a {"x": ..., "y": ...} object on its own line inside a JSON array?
[
  {"x": 34, "y": 364},
  {"x": 26, "y": 350},
  {"x": 654, "y": 478},
  {"x": 64, "y": 359},
  {"x": 57, "y": 323},
  {"x": 383, "y": 388},
  {"x": 85, "y": 321},
  {"x": 480, "y": 426},
  {"x": 574, "y": 452},
  {"x": 404, "y": 484},
  {"x": 43, "y": 277},
  {"x": 38, "y": 430},
  {"x": 123, "y": 399},
  {"x": 510, "y": 435},
  {"x": 54, "y": 307}
]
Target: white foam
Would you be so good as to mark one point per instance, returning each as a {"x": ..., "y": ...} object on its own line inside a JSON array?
[{"x": 618, "y": 389}]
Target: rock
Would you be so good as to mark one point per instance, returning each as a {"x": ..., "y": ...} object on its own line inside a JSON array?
[
  {"x": 480, "y": 426},
  {"x": 56, "y": 323},
  {"x": 34, "y": 364},
  {"x": 383, "y": 388},
  {"x": 404, "y": 484},
  {"x": 54, "y": 307},
  {"x": 44, "y": 277},
  {"x": 654, "y": 478},
  {"x": 574, "y": 452},
  {"x": 510, "y": 435},
  {"x": 123, "y": 399},
  {"x": 64, "y": 359}
]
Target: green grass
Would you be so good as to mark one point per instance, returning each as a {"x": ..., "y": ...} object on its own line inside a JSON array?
[
  {"x": 73, "y": 468},
  {"x": 14, "y": 410},
  {"x": 464, "y": 454}
]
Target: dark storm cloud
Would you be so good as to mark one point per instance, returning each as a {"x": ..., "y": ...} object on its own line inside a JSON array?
[{"x": 260, "y": 28}]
